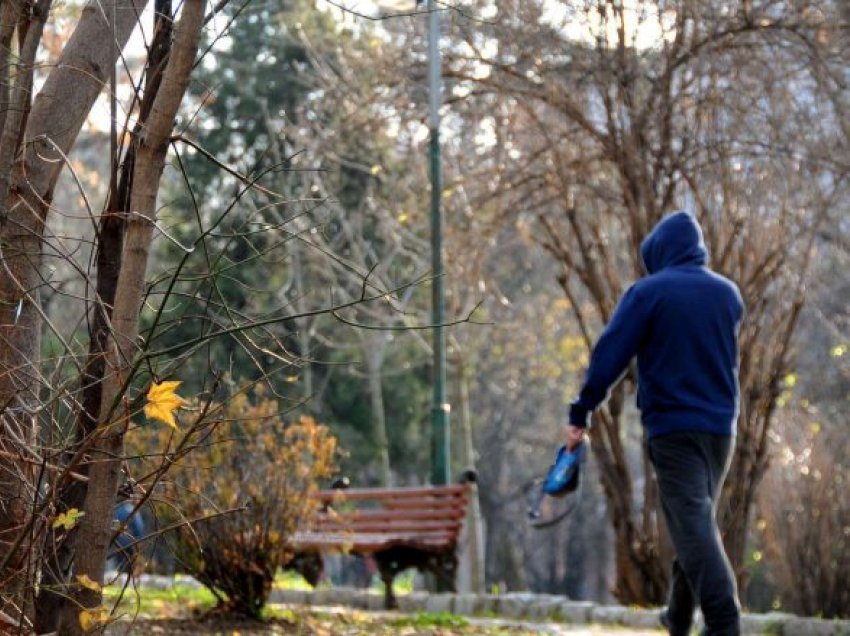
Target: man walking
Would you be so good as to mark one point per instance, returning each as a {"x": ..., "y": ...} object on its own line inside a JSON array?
[{"x": 681, "y": 321}]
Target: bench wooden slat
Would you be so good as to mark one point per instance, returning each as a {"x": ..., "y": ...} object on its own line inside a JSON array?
[
  {"x": 351, "y": 516},
  {"x": 433, "y": 506},
  {"x": 384, "y": 521},
  {"x": 386, "y": 528},
  {"x": 420, "y": 492},
  {"x": 307, "y": 536},
  {"x": 367, "y": 543},
  {"x": 400, "y": 527}
]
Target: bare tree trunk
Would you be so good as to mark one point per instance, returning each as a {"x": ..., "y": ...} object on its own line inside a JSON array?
[
  {"x": 57, "y": 562},
  {"x": 298, "y": 258},
  {"x": 95, "y": 531},
  {"x": 471, "y": 572},
  {"x": 751, "y": 459},
  {"x": 18, "y": 382},
  {"x": 374, "y": 362},
  {"x": 639, "y": 573},
  {"x": 34, "y": 144},
  {"x": 304, "y": 326}
]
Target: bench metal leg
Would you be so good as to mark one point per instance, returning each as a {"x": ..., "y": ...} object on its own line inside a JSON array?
[
  {"x": 307, "y": 564},
  {"x": 394, "y": 560},
  {"x": 388, "y": 568},
  {"x": 445, "y": 568}
]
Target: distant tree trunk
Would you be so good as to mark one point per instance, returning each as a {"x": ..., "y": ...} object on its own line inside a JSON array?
[
  {"x": 304, "y": 324},
  {"x": 34, "y": 143},
  {"x": 639, "y": 572},
  {"x": 472, "y": 551},
  {"x": 374, "y": 364},
  {"x": 95, "y": 531},
  {"x": 298, "y": 257},
  {"x": 765, "y": 361}
]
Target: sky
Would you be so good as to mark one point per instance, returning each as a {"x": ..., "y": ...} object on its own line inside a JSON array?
[{"x": 644, "y": 29}]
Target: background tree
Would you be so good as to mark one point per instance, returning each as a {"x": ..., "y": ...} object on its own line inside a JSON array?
[
  {"x": 802, "y": 534},
  {"x": 326, "y": 143},
  {"x": 598, "y": 138}
]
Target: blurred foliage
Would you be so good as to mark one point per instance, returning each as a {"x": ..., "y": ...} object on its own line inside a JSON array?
[
  {"x": 803, "y": 529},
  {"x": 801, "y": 538},
  {"x": 277, "y": 107},
  {"x": 242, "y": 491},
  {"x": 241, "y": 268}
]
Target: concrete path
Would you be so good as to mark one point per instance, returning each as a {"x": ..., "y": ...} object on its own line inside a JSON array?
[
  {"x": 549, "y": 629},
  {"x": 573, "y": 630},
  {"x": 553, "y": 614}
]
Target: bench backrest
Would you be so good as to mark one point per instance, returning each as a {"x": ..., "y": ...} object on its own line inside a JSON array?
[{"x": 430, "y": 514}]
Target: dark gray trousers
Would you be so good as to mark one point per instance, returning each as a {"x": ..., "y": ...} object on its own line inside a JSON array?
[{"x": 690, "y": 468}]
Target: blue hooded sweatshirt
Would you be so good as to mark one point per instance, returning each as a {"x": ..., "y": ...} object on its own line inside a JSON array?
[{"x": 681, "y": 321}]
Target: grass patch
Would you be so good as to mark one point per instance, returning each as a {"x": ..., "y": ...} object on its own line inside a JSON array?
[
  {"x": 443, "y": 620},
  {"x": 289, "y": 580},
  {"x": 402, "y": 584},
  {"x": 179, "y": 609},
  {"x": 180, "y": 600}
]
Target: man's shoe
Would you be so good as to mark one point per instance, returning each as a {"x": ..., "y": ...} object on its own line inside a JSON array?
[{"x": 664, "y": 619}]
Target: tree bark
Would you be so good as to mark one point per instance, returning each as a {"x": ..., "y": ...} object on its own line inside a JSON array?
[
  {"x": 31, "y": 160},
  {"x": 375, "y": 362},
  {"x": 471, "y": 572},
  {"x": 57, "y": 560},
  {"x": 95, "y": 531}
]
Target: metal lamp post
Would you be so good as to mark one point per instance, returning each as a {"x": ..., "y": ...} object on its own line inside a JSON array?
[
  {"x": 472, "y": 555},
  {"x": 440, "y": 409}
]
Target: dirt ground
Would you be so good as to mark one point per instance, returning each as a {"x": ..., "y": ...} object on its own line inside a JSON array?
[{"x": 357, "y": 623}]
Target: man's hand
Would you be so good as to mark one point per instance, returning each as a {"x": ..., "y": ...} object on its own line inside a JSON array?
[{"x": 575, "y": 436}]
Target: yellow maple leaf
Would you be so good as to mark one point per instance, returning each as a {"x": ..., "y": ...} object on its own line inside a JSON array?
[
  {"x": 163, "y": 401},
  {"x": 88, "y": 583},
  {"x": 94, "y": 617},
  {"x": 68, "y": 519}
]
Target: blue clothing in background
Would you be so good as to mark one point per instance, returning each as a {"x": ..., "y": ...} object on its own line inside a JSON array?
[
  {"x": 124, "y": 546},
  {"x": 681, "y": 321}
]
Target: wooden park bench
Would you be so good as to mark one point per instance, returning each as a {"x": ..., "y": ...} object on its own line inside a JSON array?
[{"x": 399, "y": 527}]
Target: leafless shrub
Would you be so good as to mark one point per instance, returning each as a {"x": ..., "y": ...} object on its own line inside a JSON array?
[{"x": 804, "y": 516}]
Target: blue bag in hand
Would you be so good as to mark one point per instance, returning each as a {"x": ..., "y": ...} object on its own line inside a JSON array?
[
  {"x": 545, "y": 508},
  {"x": 563, "y": 475}
]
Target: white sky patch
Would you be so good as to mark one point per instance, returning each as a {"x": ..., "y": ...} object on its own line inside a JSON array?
[
  {"x": 99, "y": 118},
  {"x": 390, "y": 5},
  {"x": 485, "y": 136},
  {"x": 645, "y": 27}
]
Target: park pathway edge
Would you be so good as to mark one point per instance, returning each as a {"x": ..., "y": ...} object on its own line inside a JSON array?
[{"x": 524, "y": 605}]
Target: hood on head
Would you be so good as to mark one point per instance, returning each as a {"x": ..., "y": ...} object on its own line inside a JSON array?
[{"x": 675, "y": 240}]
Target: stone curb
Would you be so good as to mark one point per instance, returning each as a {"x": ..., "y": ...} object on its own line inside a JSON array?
[{"x": 524, "y": 605}]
